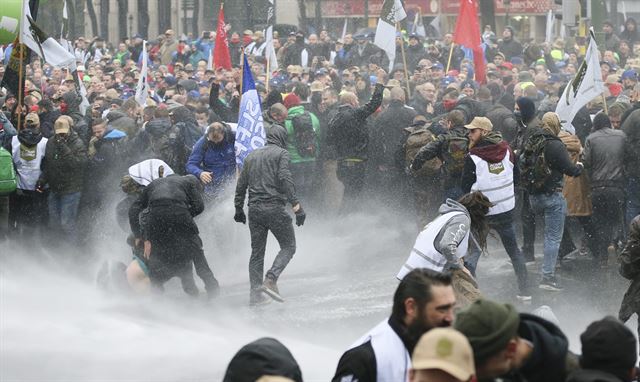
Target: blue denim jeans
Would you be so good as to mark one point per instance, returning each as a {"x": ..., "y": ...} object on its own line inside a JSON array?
[
  {"x": 633, "y": 200},
  {"x": 63, "y": 212},
  {"x": 553, "y": 208},
  {"x": 503, "y": 225}
]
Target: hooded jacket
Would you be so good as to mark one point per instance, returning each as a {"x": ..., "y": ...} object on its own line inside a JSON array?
[
  {"x": 291, "y": 135},
  {"x": 266, "y": 174},
  {"x": 453, "y": 233},
  {"x": 265, "y": 356},
  {"x": 550, "y": 358}
]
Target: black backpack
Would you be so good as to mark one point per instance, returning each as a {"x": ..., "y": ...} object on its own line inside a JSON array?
[{"x": 304, "y": 135}]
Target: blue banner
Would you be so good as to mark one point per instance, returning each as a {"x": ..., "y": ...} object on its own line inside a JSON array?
[{"x": 250, "y": 134}]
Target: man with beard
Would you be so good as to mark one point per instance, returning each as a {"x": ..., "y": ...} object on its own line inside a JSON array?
[{"x": 423, "y": 300}]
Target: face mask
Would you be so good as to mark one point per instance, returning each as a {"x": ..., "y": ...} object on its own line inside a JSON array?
[{"x": 449, "y": 104}]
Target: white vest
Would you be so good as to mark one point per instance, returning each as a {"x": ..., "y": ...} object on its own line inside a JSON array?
[
  {"x": 495, "y": 180},
  {"x": 393, "y": 361},
  {"x": 27, "y": 162},
  {"x": 424, "y": 253}
]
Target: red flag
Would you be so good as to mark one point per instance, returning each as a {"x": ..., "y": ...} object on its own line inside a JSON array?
[
  {"x": 221, "y": 56},
  {"x": 468, "y": 34}
]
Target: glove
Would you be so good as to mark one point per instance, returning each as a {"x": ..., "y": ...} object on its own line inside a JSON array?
[
  {"x": 300, "y": 217},
  {"x": 240, "y": 217}
]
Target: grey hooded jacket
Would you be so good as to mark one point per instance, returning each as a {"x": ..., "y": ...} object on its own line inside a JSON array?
[
  {"x": 452, "y": 234},
  {"x": 266, "y": 173}
]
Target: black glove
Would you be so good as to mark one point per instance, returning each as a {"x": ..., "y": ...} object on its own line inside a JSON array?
[
  {"x": 300, "y": 217},
  {"x": 240, "y": 217}
]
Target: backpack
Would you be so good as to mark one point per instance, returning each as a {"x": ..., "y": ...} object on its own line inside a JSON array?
[
  {"x": 304, "y": 135},
  {"x": 416, "y": 140},
  {"x": 457, "y": 150},
  {"x": 534, "y": 170},
  {"x": 8, "y": 181}
]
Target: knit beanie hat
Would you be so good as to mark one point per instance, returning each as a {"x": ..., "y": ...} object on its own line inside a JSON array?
[
  {"x": 488, "y": 326},
  {"x": 291, "y": 100},
  {"x": 610, "y": 346}
]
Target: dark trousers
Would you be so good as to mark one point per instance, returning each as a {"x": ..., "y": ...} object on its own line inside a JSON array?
[
  {"x": 567, "y": 245},
  {"x": 608, "y": 214},
  {"x": 263, "y": 219},
  {"x": 304, "y": 175},
  {"x": 351, "y": 174},
  {"x": 528, "y": 227},
  {"x": 27, "y": 213},
  {"x": 503, "y": 225},
  {"x": 175, "y": 245}
]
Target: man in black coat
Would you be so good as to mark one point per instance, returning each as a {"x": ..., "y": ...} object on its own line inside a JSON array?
[
  {"x": 172, "y": 243},
  {"x": 267, "y": 177},
  {"x": 349, "y": 137}
]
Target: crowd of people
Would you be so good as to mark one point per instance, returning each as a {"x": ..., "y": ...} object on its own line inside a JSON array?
[{"x": 427, "y": 140}]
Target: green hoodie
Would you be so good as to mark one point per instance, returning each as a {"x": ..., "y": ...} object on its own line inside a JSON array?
[{"x": 291, "y": 139}]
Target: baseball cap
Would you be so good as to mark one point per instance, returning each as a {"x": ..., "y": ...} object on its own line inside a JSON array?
[
  {"x": 61, "y": 126},
  {"x": 317, "y": 86},
  {"x": 444, "y": 349},
  {"x": 629, "y": 74},
  {"x": 438, "y": 66},
  {"x": 32, "y": 120},
  {"x": 506, "y": 65},
  {"x": 393, "y": 83},
  {"x": 482, "y": 123}
]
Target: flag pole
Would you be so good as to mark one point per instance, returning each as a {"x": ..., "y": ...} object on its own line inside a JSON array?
[
  {"x": 268, "y": 69},
  {"x": 404, "y": 60},
  {"x": 449, "y": 61},
  {"x": 20, "y": 81},
  {"x": 604, "y": 102}
]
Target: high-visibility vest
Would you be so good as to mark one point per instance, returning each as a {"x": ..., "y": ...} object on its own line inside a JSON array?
[{"x": 495, "y": 181}]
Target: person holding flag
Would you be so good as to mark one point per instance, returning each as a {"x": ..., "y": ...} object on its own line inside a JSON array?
[{"x": 266, "y": 174}]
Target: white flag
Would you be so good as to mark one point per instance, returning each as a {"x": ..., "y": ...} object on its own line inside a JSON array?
[
  {"x": 271, "y": 52},
  {"x": 210, "y": 60},
  {"x": 46, "y": 47},
  {"x": 418, "y": 26},
  {"x": 585, "y": 86},
  {"x": 392, "y": 12},
  {"x": 550, "y": 25},
  {"x": 142, "y": 90},
  {"x": 344, "y": 29}
]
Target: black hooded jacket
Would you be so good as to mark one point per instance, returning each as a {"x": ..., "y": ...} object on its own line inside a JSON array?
[
  {"x": 266, "y": 174},
  {"x": 548, "y": 361},
  {"x": 265, "y": 356}
]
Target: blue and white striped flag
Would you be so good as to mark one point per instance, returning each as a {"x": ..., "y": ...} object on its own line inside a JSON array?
[{"x": 250, "y": 133}]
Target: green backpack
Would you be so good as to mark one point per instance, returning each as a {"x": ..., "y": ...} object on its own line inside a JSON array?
[
  {"x": 534, "y": 169},
  {"x": 8, "y": 182}
]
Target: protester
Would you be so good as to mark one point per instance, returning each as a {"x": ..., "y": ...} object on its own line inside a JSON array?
[
  {"x": 423, "y": 300},
  {"x": 265, "y": 359},
  {"x": 267, "y": 177},
  {"x": 431, "y": 362},
  {"x": 507, "y": 343}
]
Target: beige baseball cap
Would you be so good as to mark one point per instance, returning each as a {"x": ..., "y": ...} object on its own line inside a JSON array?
[
  {"x": 61, "y": 126},
  {"x": 482, "y": 123},
  {"x": 445, "y": 349}
]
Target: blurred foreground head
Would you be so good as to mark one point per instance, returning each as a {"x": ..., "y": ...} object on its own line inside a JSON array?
[{"x": 263, "y": 360}]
